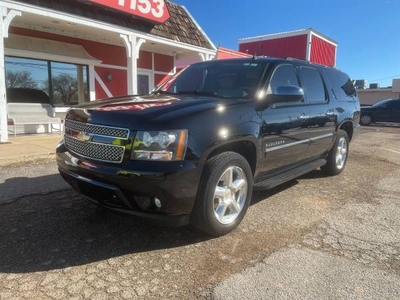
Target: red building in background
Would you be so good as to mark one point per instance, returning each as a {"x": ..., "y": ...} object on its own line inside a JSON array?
[{"x": 306, "y": 44}]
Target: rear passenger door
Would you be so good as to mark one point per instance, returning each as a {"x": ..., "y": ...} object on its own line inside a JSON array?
[{"x": 321, "y": 114}]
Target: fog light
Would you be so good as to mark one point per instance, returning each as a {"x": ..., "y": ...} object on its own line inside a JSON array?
[{"x": 157, "y": 202}]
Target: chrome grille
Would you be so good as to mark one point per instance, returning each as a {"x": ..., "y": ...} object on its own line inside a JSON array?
[
  {"x": 97, "y": 129},
  {"x": 97, "y": 151}
]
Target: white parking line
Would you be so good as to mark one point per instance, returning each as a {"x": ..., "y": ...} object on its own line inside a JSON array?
[{"x": 398, "y": 152}]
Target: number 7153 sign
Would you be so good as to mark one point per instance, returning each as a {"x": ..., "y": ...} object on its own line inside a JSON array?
[{"x": 155, "y": 10}]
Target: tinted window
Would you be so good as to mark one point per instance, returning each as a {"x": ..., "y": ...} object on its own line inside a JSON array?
[
  {"x": 394, "y": 104},
  {"x": 342, "y": 86},
  {"x": 62, "y": 83},
  {"x": 283, "y": 75},
  {"x": 313, "y": 85}
]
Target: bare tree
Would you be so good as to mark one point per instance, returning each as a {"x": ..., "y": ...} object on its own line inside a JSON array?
[
  {"x": 20, "y": 79},
  {"x": 65, "y": 86}
]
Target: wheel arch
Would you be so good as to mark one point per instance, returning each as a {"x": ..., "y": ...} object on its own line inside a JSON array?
[
  {"x": 347, "y": 126},
  {"x": 245, "y": 148}
]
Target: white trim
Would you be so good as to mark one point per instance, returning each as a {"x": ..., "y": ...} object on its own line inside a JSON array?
[
  {"x": 3, "y": 100},
  {"x": 102, "y": 84},
  {"x": 139, "y": 44},
  {"x": 49, "y": 57},
  {"x": 7, "y": 20},
  {"x": 270, "y": 149},
  {"x": 174, "y": 62},
  {"x": 45, "y": 12},
  {"x": 324, "y": 38},
  {"x": 163, "y": 73},
  {"x": 284, "y": 35},
  {"x": 273, "y": 36},
  {"x": 111, "y": 67},
  {"x": 92, "y": 83},
  {"x": 128, "y": 45},
  {"x": 309, "y": 46},
  {"x": 335, "y": 56}
]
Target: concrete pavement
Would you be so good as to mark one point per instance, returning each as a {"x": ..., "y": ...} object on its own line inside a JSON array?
[{"x": 28, "y": 149}]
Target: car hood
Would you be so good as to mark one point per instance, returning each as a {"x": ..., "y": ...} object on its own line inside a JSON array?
[{"x": 139, "y": 111}]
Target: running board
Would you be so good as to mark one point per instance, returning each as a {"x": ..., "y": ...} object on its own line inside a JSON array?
[{"x": 289, "y": 175}]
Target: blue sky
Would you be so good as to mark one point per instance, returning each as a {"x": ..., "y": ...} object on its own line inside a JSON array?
[{"x": 368, "y": 31}]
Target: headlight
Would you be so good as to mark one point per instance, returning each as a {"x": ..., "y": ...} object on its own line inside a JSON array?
[{"x": 160, "y": 145}]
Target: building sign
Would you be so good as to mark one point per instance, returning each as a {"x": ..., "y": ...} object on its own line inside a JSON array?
[{"x": 155, "y": 10}]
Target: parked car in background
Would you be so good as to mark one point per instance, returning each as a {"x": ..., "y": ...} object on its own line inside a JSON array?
[{"x": 384, "y": 111}]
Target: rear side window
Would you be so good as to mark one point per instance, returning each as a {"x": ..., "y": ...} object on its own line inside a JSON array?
[
  {"x": 313, "y": 85},
  {"x": 342, "y": 86},
  {"x": 394, "y": 104}
]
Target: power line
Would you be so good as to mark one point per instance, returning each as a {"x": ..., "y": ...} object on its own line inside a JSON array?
[{"x": 380, "y": 79}]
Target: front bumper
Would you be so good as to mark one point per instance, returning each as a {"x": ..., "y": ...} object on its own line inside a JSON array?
[{"x": 133, "y": 186}]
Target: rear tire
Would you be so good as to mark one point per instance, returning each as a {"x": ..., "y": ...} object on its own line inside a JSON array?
[
  {"x": 337, "y": 157},
  {"x": 224, "y": 194}
]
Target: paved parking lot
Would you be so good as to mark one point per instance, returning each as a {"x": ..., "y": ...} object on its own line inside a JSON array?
[{"x": 315, "y": 237}]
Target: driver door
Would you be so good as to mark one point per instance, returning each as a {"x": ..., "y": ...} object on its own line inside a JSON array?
[{"x": 285, "y": 132}]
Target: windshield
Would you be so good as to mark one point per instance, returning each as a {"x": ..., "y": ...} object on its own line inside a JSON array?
[{"x": 225, "y": 79}]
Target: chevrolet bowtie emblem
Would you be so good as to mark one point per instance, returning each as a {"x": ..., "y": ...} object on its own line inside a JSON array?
[{"x": 84, "y": 137}]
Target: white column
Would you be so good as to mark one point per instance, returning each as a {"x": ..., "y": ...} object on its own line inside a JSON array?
[
  {"x": 206, "y": 56},
  {"x": 132, "y": 45},
  {"x": 92, "y": 83},
  {"x": 6, "y": 17},
  {"x": 3, "y": 100}
]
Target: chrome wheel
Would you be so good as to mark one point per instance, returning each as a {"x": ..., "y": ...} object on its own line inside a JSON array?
[
  {"x": 341, "y": 153},
  {"x": 230, "y": 195},
  {"x": 365, "y": 120}
]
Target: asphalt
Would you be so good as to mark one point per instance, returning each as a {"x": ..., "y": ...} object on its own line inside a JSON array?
[
  {"x": 350, "y": 252},
  {"x": 27, "y": 167}
]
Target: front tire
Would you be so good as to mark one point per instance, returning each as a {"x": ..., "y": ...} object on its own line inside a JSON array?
[
  {"x": 337, "y": 157},
  {"x": 365, "y": 120},
  {"x": 224, "y": 194}
]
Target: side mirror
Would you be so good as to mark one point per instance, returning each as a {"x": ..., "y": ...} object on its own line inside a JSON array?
[{"x": 287, "y": 93}]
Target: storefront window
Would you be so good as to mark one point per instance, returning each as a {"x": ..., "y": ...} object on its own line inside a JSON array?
[{"x": 65, "y": 84}]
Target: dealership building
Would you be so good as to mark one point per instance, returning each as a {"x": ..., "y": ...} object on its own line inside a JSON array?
[{"x": 79, "y": 50}]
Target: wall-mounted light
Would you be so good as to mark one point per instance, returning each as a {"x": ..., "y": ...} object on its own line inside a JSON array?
[{"x": 109, "y": 77}]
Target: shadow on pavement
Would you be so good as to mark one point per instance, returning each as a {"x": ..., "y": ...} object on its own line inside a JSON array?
[{"x": 61, "y": 229}]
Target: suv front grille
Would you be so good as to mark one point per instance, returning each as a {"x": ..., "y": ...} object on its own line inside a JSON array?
[
  {"x": 108, "y": 153},
  {"x": 97, "y": 129},
  {"x": 103, "y": 150}
]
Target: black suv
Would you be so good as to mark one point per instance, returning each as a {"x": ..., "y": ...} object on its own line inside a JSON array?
[{"x": 193, "y": 150}]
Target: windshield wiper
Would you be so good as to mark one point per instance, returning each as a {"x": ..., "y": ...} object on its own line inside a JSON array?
[
  {"x": 199, "y": 93},
  {"x": 162, "y": 92}
]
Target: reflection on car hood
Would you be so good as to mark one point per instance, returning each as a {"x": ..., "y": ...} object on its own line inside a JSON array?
[{"x": 129, "y": 110}]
